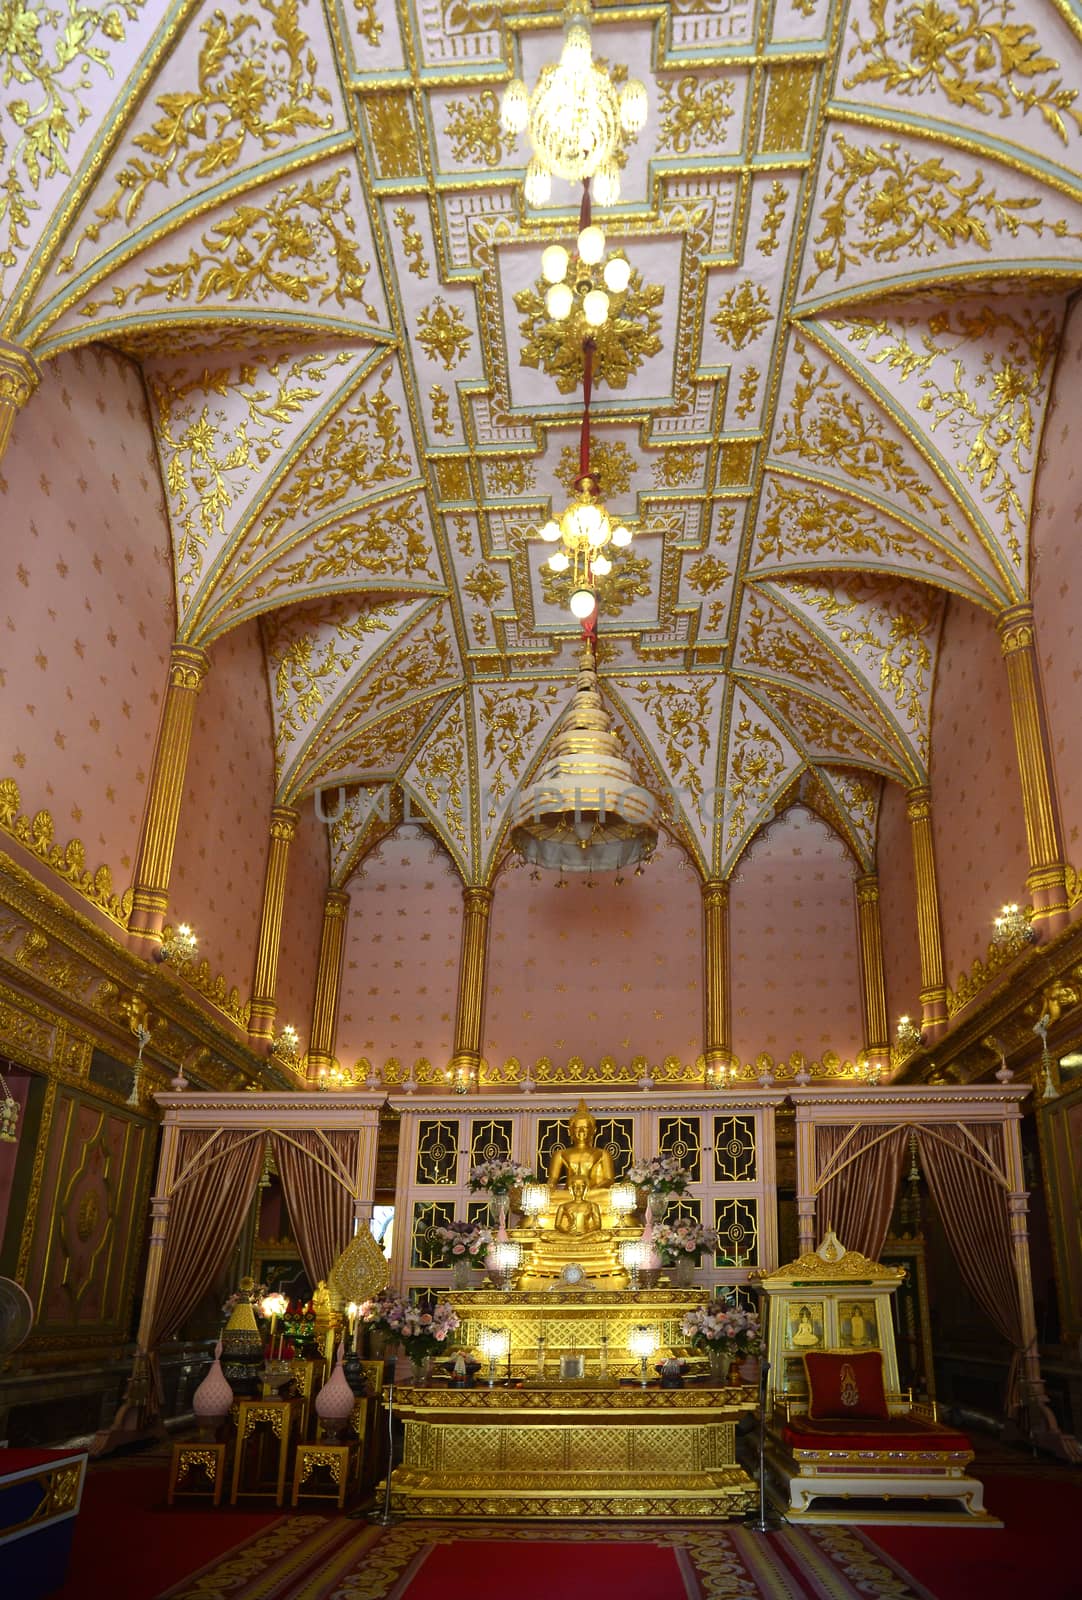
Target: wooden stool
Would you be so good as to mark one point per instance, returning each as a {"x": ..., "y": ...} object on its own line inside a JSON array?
[
  {"x": 193, "y": 1456},
  {"x": 340, "y": 1460},
  {"x": 281, "y": 1416}
]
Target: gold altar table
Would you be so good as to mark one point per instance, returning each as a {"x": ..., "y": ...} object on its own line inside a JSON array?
[{"x": 571, "y": 1451}]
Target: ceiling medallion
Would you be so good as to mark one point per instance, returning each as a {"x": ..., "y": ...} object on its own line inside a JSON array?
[
  {"x": 585, "y": 812},
  {"x": 575, "y": 116},
  {"x": 585, "y": 295}
]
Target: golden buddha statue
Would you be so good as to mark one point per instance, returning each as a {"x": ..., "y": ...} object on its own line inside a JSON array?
[{"x": 579, "y": 1229}]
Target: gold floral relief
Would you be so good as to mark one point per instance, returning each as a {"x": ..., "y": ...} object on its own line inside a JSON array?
[
  {"x": 885, "y": 204},
  {"x": 693, "y": 113},
  {"x": 757, "y": 759},
  {"x": 860, "y": 797},
  {"x": 413, "y": 245},
  {"x": 510, "y": 476},
  {"x": 441, "y": 771},
  {"x": 822, "y": 728},
  {"x": 611, "y": 463},
  {"x": 770, "y": 234},
  {"x": 485, "y": 585},
  {"x": 394, "y": 141},
  {"x": 37, "y": 834},
  {"x": 749, "y": 392},
  {"x": 800, "y": 521},
  {"x": 770, "y": 642},
  {"x": 474, "y": 131},
  {"x": 829, "y": 426},
  {"x": 788, "y": 100},
  {"x": 54, "y": 58},
  {"x": 425, "y": 660},
  {"x": 511, "y": 720},
  {"x": 707, "y": 574},
  {"x": 441, "y": 412},
  {"x": 366, "y": 21},
  {"x": 628, "y": 337},
  {"x": 999, "y": 359},
  {"x": 211, "y": 454},
  {"x": 682, "y": 713},
  {"x": 255, "y": 90},
  {"x": 974, "y": 52},
  {"x": 380, "y": 746},
  {"x": 677, "y": 466},
  {"x": 629, "y": 580},
  {"x": 296, "y": 248},
  {"x": 308, "y": 675},
  {"x": 389, "y": 542},
  {"x": 443, "y": 334},
  {"x": 742, "y": 315}
]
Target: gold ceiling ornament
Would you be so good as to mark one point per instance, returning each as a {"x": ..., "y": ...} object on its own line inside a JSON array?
[
  {"x": 585, "y": 296},
  {"x": 585, "y": 812},
  {"x": 627, "y": 581},
  {"x": 575, "y": 117}
]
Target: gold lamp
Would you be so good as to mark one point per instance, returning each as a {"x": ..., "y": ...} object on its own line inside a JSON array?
[
  {"x": 575, "y": 117},
  {"x": 585, "y": 812}
]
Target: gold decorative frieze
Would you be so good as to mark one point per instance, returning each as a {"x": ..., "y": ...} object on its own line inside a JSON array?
[{"x": 37, "y": 834}]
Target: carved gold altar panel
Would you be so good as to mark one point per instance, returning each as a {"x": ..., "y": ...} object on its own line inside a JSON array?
[
  {"x": 560, "y": 1451},
  {"x": 726, "y": 1142}
]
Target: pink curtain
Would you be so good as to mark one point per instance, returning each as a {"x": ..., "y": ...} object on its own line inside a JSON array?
[
  {"x": 315, "y": 1169},
  {"x": 206, "y": 1214},
  {"x": 972, "y": 1206},
  {"x": 858, "y": 1202}
]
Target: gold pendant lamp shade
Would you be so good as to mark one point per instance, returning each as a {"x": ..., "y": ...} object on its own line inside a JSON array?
[{"x": 585, "y": 812}]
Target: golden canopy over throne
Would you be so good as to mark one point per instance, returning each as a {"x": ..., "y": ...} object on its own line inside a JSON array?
[{"x": 579, "y": 1227}]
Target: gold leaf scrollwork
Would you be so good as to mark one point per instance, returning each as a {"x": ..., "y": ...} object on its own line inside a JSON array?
[
  {"x": 250, "y": 90},
  {"x": 305, "y": 679},
  {"x": 693, "y": 113},
  {"x": 611, "y": 463},
  {"x": 681, "y": 713},
  {"x": 441, "y": 412},
  {"x": 391, "y": 541},
  {"x": 37, "y": 833},
  {"x": 707, "y": 574},
  {"x": 440, "y": 768},
  {"x": 510, "y": 720},
  {"x": 630, "y": 334},
  {"x": 475, "y": 133},
  {"x": 442, "y": 333},
  {"x": 749, "y": 389},
  {"x": 980, "y": 59},
  {"x": 484, "y": 585},
  {"x": 742, "y": 315},
  {"x": 677, "y": 466},
  {"x": 413, "y": 244},
  {"x": 773, "y": 217},
  {"x": 756, "y": 761},
  {"x": 804, "y": 522},
  {"x": 367, "y": 22}
]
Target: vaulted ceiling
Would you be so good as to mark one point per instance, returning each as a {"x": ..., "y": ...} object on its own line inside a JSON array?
[{"x": 853, "y": 229}]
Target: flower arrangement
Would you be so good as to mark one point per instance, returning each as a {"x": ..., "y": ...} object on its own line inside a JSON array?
[
  {"x": 659, "y": 1175},
  {"x": 464, "y": 1241},
  {"x": 421, "y": 1329},
  {"x": 721, "y": 1326},
  {"x": 683, "y": 1239},
  {"x": 499, "y": 1177},
  {"x": 254, "y": 1295}
]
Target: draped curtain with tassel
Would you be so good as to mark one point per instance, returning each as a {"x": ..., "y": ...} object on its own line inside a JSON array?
[
  {"x": 858, "y": 1201},
  {"x": 317, "y": 1171}
]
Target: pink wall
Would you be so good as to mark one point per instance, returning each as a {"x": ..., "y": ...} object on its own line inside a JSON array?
[
  {"x": 86, "y": 610},
  {"x": 400, "y": 974},
  {"x": 306, "y": 890},
  {"x": 1057, "y": 581},
  {"x": 795, "y": 954},
  {"x": 898, "y": 906},
  {"x": 222, "y": 839},
  {"x": 601, "y": 971},
  {"x": 978, "y": 827}
]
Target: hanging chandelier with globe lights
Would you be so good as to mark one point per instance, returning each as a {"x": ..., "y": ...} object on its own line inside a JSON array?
[{"x": 575, "y": 117}]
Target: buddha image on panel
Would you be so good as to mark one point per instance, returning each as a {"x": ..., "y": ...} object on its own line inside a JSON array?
[
  {"x": 805, "y": 1324},
  {"x": 857, "y": 1328}
]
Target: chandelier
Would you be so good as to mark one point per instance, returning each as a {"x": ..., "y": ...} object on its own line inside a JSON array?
[
  {"x": 575, "y": 116},
  {"x": 576, "y": 284},
  {"x": 585, "y": 812}
]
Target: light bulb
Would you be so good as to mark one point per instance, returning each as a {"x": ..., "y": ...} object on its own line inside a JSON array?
[
  {"x": 617, "y": 274},
  {"x": 558, "y": 302},
  {"x": 602, "y": 533},
  {"x": 606, "y": 184},
  {"x": 515, "y": 107},
  {"x": 583, "y": 603},
  {"x": 601, "y": 566},
  {"x": 621, "y": 535},
  {"x": 577, "y": 52},
  {"x": 559, "y": 561},
  {"x": 538, "y": 184},
  {"x": 633, "y": 106},
  {"x": 591, "y": 245},
  {"x": 588, "y": 520},
  {"x": 551, "y": 531},
  {"x": 595, "y": 307},
  {"x": 554, "y": 263}
]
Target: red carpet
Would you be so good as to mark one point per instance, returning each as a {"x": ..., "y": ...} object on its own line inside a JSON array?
[
  {"x": 1036, "y": 1552},
  {"x": 550, "y": 1572}
]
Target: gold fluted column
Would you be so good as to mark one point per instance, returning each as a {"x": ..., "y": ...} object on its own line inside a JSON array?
[
  {"x": 717, "y": 1041},
  {"x": 283, "y": 828},
  {"x": 19, "y": 377},
  {"x": 933, "y": 984},
  {"x": 472, "y": 981},
  {"x": 150, "y": 887},
  {"x": 1047, "y": 876},
  {"x": 332, "y": 946},
  {"x": 873, "y": 984}
]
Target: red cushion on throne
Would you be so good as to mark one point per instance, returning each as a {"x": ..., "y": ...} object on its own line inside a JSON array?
[{"x": 845, "y": 1385}]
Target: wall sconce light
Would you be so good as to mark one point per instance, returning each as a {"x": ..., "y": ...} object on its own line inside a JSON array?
[
  {"x": 1013, "y": 928},
  {"x": 908, "y": 1035},
  {"x": 462, "y": 1077},
  {"x": 178, "y": 946},
  {"x": 9, "y": 1115},
  {"x": 287, "y": 1047},
  {"x": 868, "y": 1071},
  {"x": 720, "y": 1074}
]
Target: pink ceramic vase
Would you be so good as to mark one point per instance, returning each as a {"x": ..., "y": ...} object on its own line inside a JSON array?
[
  {"x": 213, "y": 1398},
  {"x": 334, "y": 1402}
]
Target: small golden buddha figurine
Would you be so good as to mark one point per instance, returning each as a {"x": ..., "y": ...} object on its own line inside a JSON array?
[
  {"x": 578, "y": 1215},
  {"x": 583, "y": 1158}
]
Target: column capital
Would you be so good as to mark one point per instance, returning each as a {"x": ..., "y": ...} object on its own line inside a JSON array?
[
  {"x": 283, "y": 823},
  {"x": 475, "y": 898},
  {"x": 336, "y": 903},
  {"x": 918, "y": 803},
  {"x": 867, "y": 888},
  {"x": 188, "y": 666},
  {"x": 1016, "y": 629},
  {"x": 715, "y": 891},
  {"x": 19, "y": 375}
]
